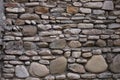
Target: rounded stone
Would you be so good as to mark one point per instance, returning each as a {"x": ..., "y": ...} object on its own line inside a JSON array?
[
  {"x": 58, "y": 65},
  {"x": 29, "y": 31},
  {"x": 58, "y": 44},
  {"x": 101, "y": 43},
  {"x": 41, "y": 10},
  {"x": 74, "y": 44},
  {"x": 21, "y": 71},
  {"x": 73, "y": 76},
  {"x": 96, "y": 64},
  {"x": 115, "y": 65},
  {"x": 39, "y": 70}
]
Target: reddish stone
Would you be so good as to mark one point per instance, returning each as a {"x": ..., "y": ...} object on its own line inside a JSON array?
[{"x": 72, "y": 10}]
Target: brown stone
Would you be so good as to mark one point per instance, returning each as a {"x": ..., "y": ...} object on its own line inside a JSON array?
[
  {"x": 74, "y": 44},
  {"x": 41, "y": 10},
  {"x": 72, "y": 10},
  {"x": 101, "y": 43},
  {"x": 29, "y": 30},
  {"x": 117, "y": 42}
]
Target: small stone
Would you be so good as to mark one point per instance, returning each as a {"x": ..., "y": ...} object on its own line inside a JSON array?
[
  {"x": 93, "y": 4},
  {"x": 28, "y": 16},
  {"x": 87, "y": 55},
  {"x": 29, "y": 45},
  {"x": 31, "y": 53},
  {"x": 85, "y": 10},
  {"x": 72, "y": 31},
  {"x": 45, "y": 52},
  {"x": 92, "y": 32},
  {"x": 88, "y": 76},
  {"x": 21, "y": 71},
  {"x": 73, "y": 76},
  {"x": 101, "y": 43},
  {"x": 108, "y": 5},
  {"x": 32, "y": 78},
  {"x": 115, "y": 65},
  {"x": 61, "y": 77},
  {"x": 97, "y": 51},
  {"x": 74, "y": 44},
  {"x": 15, "y": 10},
  {"x": 58, "y": 65},
  {"x": 72, "y": 10},
  {"x": 96, "y": 64},
  {"x": 29, "y": 30},
  {"x": 76, "y": 68},
  {"x": 41, "y": 10},
  {"x": 76, "y": 54},
  {"x": 44, "y": 27},
  {"x": 117, "y": 42},
  {"x": 98, "y": 12},
  {"x": 104, "y": 75},
  {"x": 114, "y": 26},
  {"x": 58, "y": 44},
  {"x": 49, "y": 77},
  {"x": 77, "y": 4},
  {"x": 39, "y": 70},
  {"x": 89, "y": 43}
]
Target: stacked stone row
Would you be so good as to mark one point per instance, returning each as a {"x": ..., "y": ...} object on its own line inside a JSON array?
[{"x": 61, "y": 40}]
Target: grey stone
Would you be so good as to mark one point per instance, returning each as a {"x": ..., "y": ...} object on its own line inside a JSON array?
[
  {"x": 45, "y": 52},
  {"x": 114, "y": 26},
  {"x": 21, "y": 71},
  {"x": 76, "y": 68},
  {"x": 93, "y": 4},
  {"x": 86, "y": 55},
  {"x": 61, "y": 77},
  {"x": 31, "y": 53},
  {"x": 58, "y": 44},
  {"x": 39, "y": 70},
  {"x": 72, "y": 31},
  {"x": 92, "y": 31},
  {"x": 73, "y": 76},
  {"x": 96, "y": 64},
  {"x": 15, "y": 10},
  {"x": 29, "y": 45},
  {"x": 108, "y": 5},
  {"x": 32, "y": 78},
  {"x": 117, "y": 42},
  {"x": 88, "y": 76},
  {"x": 101, "y": 43},
  {"x": 85, "y": 10},
  {"x": 58, "y": 65},
  {"x": 104, "y": 75},
  {"x": 98, "y": 12},
  {"x": 74, "y": 44},
  {"x": 76, "y": 54},
  {"x": 85, "y": 25}
]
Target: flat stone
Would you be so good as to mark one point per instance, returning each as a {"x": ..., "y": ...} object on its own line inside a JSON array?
[
  {"x": 114, "y": 26},
  {"x": 85, "y": 10},
  {"x": 89, "y": 43},
  {"x": 77, "y": 68},
  {"x": 41, "y": 10},
  {"x": 108, "y": 5},
  {"x": 117, "y": 42},
  {"x": 93, "y": 4},
  {"x": 73, "y": 76},
  {"x": 101, "y": 43},
  {"x": 88, "y": 76},
  {"x": 72, "y": 31},
  {"x": 58, "y": 65},
  {"x": 29, "y": 30},
  {"x": 21, "y": 71},
  {"x": 31, "y": 53},
  {"x": 87, "y": 54},
  {"x": 58, "y": 44},
  {"x": 15, "y": 10},
  {"x": 72, "y": 9},
  {"x": 92, "y": 31},
  {"x": 45, "y": 52},
  {"x": 39, "y": 70},
  {"x": 28, "y": 16},
  {"x": 74, "y": 44},
  {"x": 76, "y": 54},
  {"x": 115, "y": 65},
  {"x": 96, "y": 64},
  {"x": 85, "y": 25},
  {"x": 32, "y": 78},
  {"x": 21, "y": 1},
  {"x": 29, "y": 45}
]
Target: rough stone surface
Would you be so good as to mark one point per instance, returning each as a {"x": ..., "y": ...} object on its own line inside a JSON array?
[
  {"x": 39, "y": 70},
  {"x": 96, "y": 64},
  {"x": 58, "y": 65},
  {"x": 108, "y": 5},
  {"x": 74, "y": 44}
]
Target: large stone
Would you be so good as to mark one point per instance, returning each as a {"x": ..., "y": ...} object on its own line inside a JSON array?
[
  {"x": 115, "y": 65},
  {"x": 117, "y": 42},
  {"x": 96, "y": 64},
  {"x": 15, "y": 10},
  {"x": 21, "y": 71},
  {"x": 58, "y": 65},
  {"x": 28, "y": 16},
  {"x": 29, "y": 30},
  {"x": 76, "y": 68},
  {"x": 108, "y": 5},
  {"x": 74, "y": 44},
  {"x": 101, "y": 43},
  {"x": 58, "y": 44},
  {"x": 41, "y": 10},
  {"x": 92, "y": 32},
  {"x": 72, "y": 10},
  {"x": 39, "y": 70}
]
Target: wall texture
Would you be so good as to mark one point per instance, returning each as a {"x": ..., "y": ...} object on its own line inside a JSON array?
[{"x": 61, "y": 40}]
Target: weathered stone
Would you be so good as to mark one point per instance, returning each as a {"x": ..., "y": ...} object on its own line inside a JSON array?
[
  {"x": 28, "y": 16},
  {"x": 98, "y": 12},
  {"x": 73, "y": 76},
  {"x": 49, "y": 77},
  {"x": 115, "y": 65},
  {"x": 101, "y": 43},
  {"x": 108, "y": 5},
  {"x": 85, "y": 25},
  {"x": 44, "y": 27},
  {"x": 39, "y": 70},
  {"x": 32, "y": 78},
  {"x": 21, "y": 71},
  {"x": 72, "y": 31},
  {"x": 29, "y": 45},
  {"x": 87, "y": 55},
  {"x": 45, "y": 52},
  {"x": 32, "y": 4},
  {"x": 58, "y": 44},
  {"x": 76, "y": 68},
  {"x": 96, "y": 64},
  {"x": 104, "y": 75},
  {"x": 89, "y": 43},
  {"x": 41, "y": 10},
  {"x": 97, "y": 51},
  {"x": 114, "y": 26},
  {"x": 77, "y": 4},
  {"x": 93, "y": 4},
  {"x": 85, "y": 10},
  {"x": 117, "y": 42},
  {"x": 61, "y": 77},
  {"x": 58, "y": 65},
  {"x": 15, "y": 10},
  {"x": 88, "y": 76},
  {"x": 31, "y": 53},
  {"x": 74, "y": 44},
  {"x": 93, "y": 31},
  {"x": 72, "y": 10},
  {"x": 29, "y": 30},
  {"x": 76, "y": 54},
  {"x": 21, "y": 1},
  {"x": 50, "y": 33}
]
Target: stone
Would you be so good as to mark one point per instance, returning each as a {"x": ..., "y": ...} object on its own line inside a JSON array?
[
  {"x": 76, "y": 68},
  {"x": 29, "y": 45},
  {"x": 117, "y": 42},
  {"x": 21, "y": 1},
  {"x": 31, "y": 53},
  {"x": 88, "y": 76},
  {"x": 32, "y": 78},
  {"x": 93, "y": 4},
  {"x": 29, "y": 31},
  {"x": 115, "y": 65},
  {"x": 28, "y": 16},
  {"x": 89, "y": 43},
  {"x": 98, "y": 12},
  {"x": 58, "y": 65},
  {"x": 58, "y": 44},
  {"x": 39, "y": 70},
  {"x": 108, "y": 5},
  {"x": 78, "y": 4},
  {"x": 96, "y": 64},
  {"x": 97, "y": 51},
  {"x": 49, "y": 77},
  {"x": 41, "y": 10},
  {"x": 104, "y": 75},
  {"x": 73, "y": 76},
  {"x": 44, "y": 27},
  {"x": 86, "y": 55},
  {"x": 85, "y": 25},
  {"x": 114, "y": 26},
  {"x": 74, "y": 44},
  {"x": 21, "y": 71},
  {"x": 72, "y": 31},
  {"x": 92, "y": 32},
  {"x": 85, "y": 10},
  {"x": 72, "y": 10},
  {"x": 101, "y": 43},
  {"x": 45, "y": 52},
  {"x": 15, "y": 10},
  {"x": 76, "y": 54}
]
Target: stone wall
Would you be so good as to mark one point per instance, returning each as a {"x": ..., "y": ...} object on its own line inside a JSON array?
[{"x": 61, "y": 40}]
